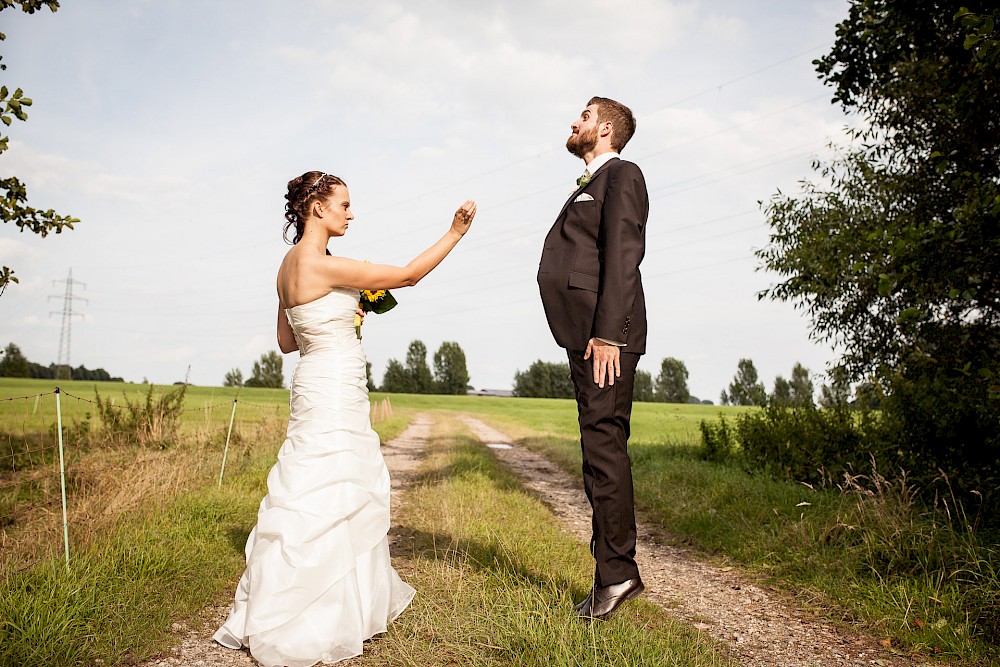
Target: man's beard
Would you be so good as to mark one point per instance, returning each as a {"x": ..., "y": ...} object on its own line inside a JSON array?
[{"x": 582, "y": 143}]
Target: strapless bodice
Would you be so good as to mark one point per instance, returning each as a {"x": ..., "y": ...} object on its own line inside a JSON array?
[{"x": 323, "y": 322}]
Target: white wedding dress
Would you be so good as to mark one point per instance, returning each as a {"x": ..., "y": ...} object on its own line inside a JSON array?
[{"x": 318, "y": 580}]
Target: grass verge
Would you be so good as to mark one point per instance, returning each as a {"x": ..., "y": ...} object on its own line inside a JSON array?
[{"x": 121, "y": 596}]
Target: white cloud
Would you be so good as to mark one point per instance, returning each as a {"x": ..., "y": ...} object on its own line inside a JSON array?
[{"x": 729, "y": 29}]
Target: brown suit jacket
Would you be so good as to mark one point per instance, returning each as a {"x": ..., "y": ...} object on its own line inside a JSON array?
[{"x": 589, "y": 276}]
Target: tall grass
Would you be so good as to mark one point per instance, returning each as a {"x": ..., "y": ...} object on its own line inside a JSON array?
[{"x": 126, "y": 586}]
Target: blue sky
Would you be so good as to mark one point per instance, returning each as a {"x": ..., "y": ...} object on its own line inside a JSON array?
[{"x": 170, "y": 129}]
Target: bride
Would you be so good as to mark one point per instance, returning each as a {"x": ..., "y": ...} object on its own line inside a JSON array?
[{"x": 318, "y": 580}]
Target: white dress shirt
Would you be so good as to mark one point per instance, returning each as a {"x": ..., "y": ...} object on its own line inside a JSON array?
[{"x": 599, "y": 161}]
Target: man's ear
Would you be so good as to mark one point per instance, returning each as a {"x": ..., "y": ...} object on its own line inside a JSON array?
[{"x": 605, "y": 129}]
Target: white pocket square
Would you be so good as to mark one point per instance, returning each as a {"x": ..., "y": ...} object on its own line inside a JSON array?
[{"x": 583, "y": 196}]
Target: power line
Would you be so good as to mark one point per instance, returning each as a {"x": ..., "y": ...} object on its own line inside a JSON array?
[{"x": 706, "y": 91}]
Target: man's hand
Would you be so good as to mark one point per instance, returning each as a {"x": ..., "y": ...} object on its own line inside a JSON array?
[{"x": 607, "y": 361}]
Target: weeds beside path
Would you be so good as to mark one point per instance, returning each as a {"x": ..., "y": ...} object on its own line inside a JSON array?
[{"x": 760, "y": 628}]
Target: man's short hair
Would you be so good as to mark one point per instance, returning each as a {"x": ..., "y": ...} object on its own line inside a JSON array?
[{"x": 621, "y": 118}]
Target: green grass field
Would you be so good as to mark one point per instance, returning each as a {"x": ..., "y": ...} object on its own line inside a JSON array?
[{"x": 870, "y": 562}]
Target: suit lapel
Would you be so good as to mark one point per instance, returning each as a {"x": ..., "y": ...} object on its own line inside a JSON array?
[{"x": 576, "y": 193}]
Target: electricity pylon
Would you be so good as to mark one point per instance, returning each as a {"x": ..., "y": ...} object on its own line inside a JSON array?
[{"x": 67, "y": 323}]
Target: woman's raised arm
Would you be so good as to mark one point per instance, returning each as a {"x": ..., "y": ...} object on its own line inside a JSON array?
[{"x": 339, "y": 271}]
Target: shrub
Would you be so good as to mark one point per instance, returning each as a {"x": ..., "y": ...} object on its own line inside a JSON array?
[
  {"x": 718, "y": 442},
  {"x": 810, "y": 445},
  {"x": 151, "y": 423}
]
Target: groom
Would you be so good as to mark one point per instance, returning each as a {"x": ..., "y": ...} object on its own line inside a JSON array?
[{"x": 591, "y": 290}]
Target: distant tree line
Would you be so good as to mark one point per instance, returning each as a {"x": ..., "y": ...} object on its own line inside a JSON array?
[
  {"x": 797, "y": 391},
  {"x": 14, "y": 364},
  {"x": 552, "y": 380},
  {"x": 450, "y": 376}
]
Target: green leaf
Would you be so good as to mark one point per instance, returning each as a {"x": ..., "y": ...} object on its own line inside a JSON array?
[
  {"x": 385, "y": 304},
  {"x": 886, "y": 284}
]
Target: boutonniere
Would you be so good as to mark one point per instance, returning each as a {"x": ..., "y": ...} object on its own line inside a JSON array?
[{"x": 583, "y": 180}]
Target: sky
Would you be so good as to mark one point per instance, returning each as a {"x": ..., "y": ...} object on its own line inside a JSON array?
[{"x": 170, "y": 128}]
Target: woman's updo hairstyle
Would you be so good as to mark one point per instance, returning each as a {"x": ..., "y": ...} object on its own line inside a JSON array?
[{"x": 302, "y": 192}]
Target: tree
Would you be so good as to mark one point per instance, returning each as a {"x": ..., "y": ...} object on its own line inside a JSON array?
[
  {"x": 234, "y": 378},
  {"x": 267, "y": 371},
  {"x": 868, "y": 396},
  {"x": 417, "y": 369},
  {"x": 14, "y": 364},
  {"x": 396, "y": 380},
  {"x": 642, "y": 388},
  {"x": 800, "y": 387},
  {"x": 13, "y": 194},
  {"x": 895, "y": 254},
  {"x": 544, "y": 380},
  {"x": 797, "y": 392},
  {"x": 97, "y": 374},
  {"x": 838, "y": 392},
  {"x": 745, "y": 388},
  {"x": 782, "y": 394},
  {"x": 368, "y": 376},
  {"x": 901, "y": 247},
  {"x": 450, "y": 373},
  {"x": 671, "y": 383}
]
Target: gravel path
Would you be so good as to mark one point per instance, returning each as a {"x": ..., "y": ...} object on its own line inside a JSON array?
[{"x": 760, "y": 628}]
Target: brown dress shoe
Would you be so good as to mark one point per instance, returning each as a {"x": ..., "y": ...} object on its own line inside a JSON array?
[
  {"x": 604, "y": 600},
  {"x": 585, "y": 603}
]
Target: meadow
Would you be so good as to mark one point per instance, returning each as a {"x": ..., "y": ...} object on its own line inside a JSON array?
[{"x": 865, "y": 556}]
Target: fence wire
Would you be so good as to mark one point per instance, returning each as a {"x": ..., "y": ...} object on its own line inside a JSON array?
[{"x": 37, "y": 524}]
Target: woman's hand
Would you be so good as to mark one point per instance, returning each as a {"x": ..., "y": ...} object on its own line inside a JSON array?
[{"x": 463, "y": 217}]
